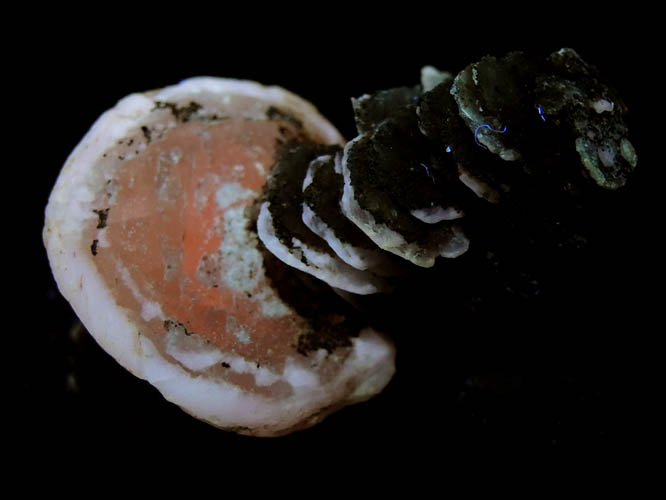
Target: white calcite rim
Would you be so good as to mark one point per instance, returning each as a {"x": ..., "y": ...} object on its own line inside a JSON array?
[
  {"x": 435, "y": 214},
  {"x": 359, "y": 258},
  {"x": 372, "y": 259},
  {"x": 324, "y": 266},
  {"x": 364, "y": 368},
  {"x": 388, "y": 239}
]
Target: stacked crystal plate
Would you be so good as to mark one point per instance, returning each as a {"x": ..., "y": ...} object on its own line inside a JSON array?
[{"x": 516, "y": 147}]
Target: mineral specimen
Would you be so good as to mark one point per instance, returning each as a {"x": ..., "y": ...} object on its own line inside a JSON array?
[
  {"x": 514, "y": 156},
  {"x": 187, "y": 227},
  {"x": 149, "y": 237}
]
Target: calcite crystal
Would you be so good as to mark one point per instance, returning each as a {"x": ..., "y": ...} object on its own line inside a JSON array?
[{"x": 150, "y": 237}]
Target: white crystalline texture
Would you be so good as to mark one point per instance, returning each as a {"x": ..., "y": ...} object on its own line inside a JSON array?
[
  {"x": 359, "y": 258},
  {"x": 372, "y": 259},
  {"x": 324, "y": 266},
  {"x": 192, "y": 311},
  {"x": 602, "y": 105},
  {"x": 433, "y": 215}
]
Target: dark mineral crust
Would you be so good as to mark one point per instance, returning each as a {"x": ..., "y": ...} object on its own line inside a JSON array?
[{"x": 506, "y": 172}]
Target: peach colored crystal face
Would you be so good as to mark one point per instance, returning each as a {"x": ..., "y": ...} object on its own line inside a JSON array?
[
  {"x": 163, "y": 250},
  {"x": 149, "y": 238}
]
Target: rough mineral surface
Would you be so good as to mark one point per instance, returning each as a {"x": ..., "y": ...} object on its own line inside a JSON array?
[
  {"x": 150, "y": 237},
  {"x": 203, "y": 233},
  {"x": 322, "y": 191},
  {"x": 281, "y": 228},
  {"x": 515, "y": 158}
]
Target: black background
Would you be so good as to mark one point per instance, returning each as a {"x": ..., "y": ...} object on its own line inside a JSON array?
[{"x": 580, "y": 394}]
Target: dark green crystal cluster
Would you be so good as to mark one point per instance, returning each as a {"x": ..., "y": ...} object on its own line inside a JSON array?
[{"x": 509, "y": 164}]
